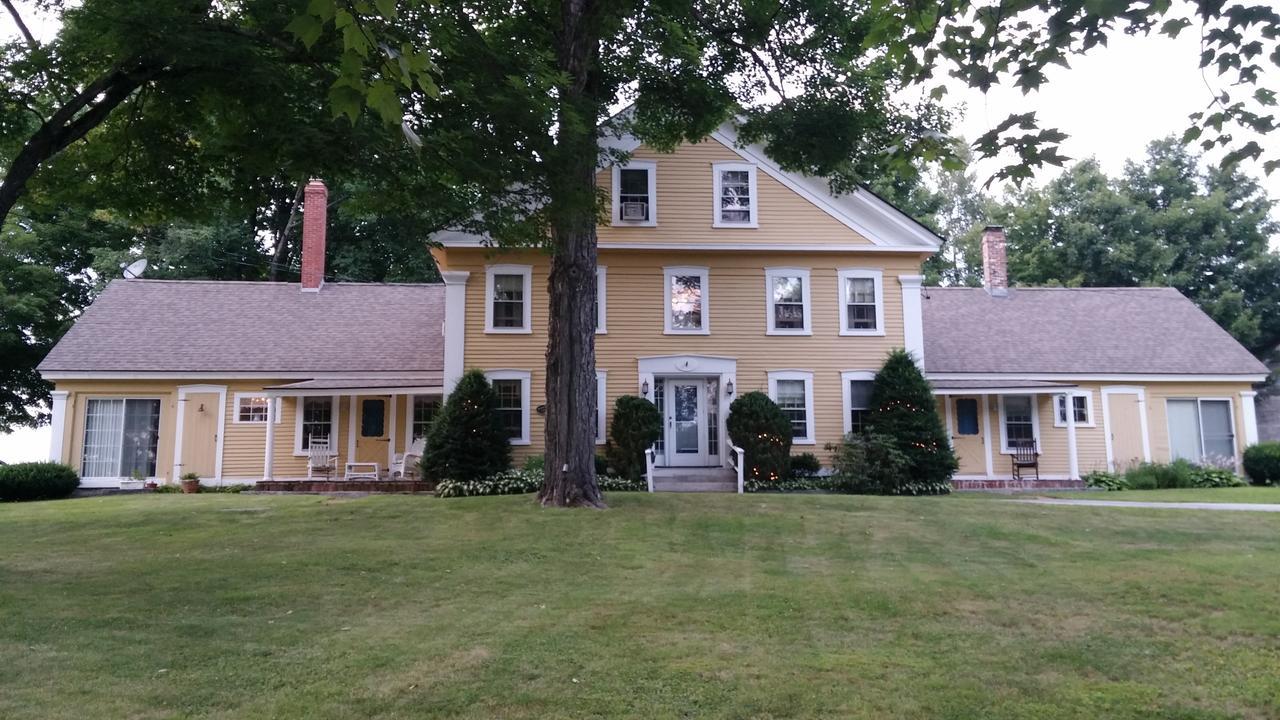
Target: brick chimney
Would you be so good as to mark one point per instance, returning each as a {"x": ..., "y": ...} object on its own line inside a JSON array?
[
  {"x": 314, "y": 218},
  {"x": 995, "y": 265}
]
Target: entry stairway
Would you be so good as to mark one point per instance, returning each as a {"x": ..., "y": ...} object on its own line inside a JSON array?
[{"x": 680, "y": 479}]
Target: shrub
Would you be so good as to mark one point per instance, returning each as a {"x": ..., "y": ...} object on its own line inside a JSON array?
[
  {"x": 904, "y": 410},
  {"x": 522, "y": 482},
  {"x": 1159, "y": 476},
  {"x": 795, "y": 483},
  {"x": 535, "y": 463},
  {"x": 1105, "y": 480},
  {"x": 466, "y": 441},
  {"x": 871, "y": 463},
  {"x": 758, "y": 426},
  {"x": 37, "y": 481},
  {"x": 1262, "y": 463},
  {"x": 1214, "y": 477},
  {"x": 602, "y": 465},
  {"x": 805, "y": 465},
  {"x": 635, "y": 427}
]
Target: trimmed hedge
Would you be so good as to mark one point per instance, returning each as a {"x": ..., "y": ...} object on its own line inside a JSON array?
[
  {"x": 1262, "y": 463},
  {"x": 523, "y": 482},
  {"x": 37, "y": 481},
  {"x": 758, "y": 426},
  {"x": 1162, "y": 476},
  {"x": 636, "y": 425}
]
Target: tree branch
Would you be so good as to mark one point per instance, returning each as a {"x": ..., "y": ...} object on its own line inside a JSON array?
[{"x": 22, "y": 27}]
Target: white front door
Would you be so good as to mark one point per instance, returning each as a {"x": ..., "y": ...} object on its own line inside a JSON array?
[{"x": 686, "y": 422}]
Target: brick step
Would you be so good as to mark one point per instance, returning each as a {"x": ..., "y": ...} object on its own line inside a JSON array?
[
  {"x": 338, "y": 486},
  {"x": 1009, "y": 485}
]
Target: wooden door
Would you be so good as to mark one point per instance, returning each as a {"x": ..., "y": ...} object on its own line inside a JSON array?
[
  {"x": 1125, "y": 430},
  {"x": 967, "y": 438},
  {"x": 373, "y": 430},
  {"x": 201, "y": 415}
]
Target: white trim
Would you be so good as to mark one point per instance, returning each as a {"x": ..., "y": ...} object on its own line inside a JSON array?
[
  {"x": 1073, "y": 448},
  {"x": 526, "y": 272},
  {"x": 705, "y": 286},
  {"x": 455, "y": 325},
  {"x": 806, "y": 294},
  {"x": 616, "y": 214},
  {"x": 390, "y": 429},
  {"x": 602, "y": 294},
  {"x": 986, "y": 436},
  {"x": 269, "y": 444},
  {"x": 1142, "y": 416},
  {"x": 184, "y": 375},
  {"x": 602, "y": 406},
  {"x": 846, "y": 377},
  {"x": 1050, "y": 390},
  {"x": 877, "y": 276},
  {"x": 659, "y": 368},
  {"x": 355, "y": 390},
  {"x": 351, "y": 427},
  {"x": 718, "y": 170},
  {"x": 913, "y": 316},
  {"x": 183, "y": 391},
  {"x": 479, "y": 242},
  {"x": 1088, "y": 409},
  {"x": 335, "y": 400},
  {"x": 526, "y": 381},
  {"x": 1035, "y": 423},
  {"x": 807, "y": 377},
  {"x": 1250, "y": 412},
  {"x": 1198, "y": 400},
  {"x": 235, "y": 407},
  {"x": 1081, "y": 377},
  {"x": 57, "y": 425}
]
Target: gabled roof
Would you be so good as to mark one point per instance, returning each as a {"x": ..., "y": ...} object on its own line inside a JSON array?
[
  {"x": 263, "y": 328},
  {"x": 1082, "y": 331}
]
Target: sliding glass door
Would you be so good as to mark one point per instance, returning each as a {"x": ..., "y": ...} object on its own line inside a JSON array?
[
  {"x": 120, "y": 437},
  {"x": 1201, "y": 430}
]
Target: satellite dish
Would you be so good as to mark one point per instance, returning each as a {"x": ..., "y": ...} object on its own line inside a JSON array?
[{"x": 134, "y": 269}]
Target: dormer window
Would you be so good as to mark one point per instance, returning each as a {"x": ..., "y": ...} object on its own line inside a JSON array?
[
  {"x": 635, "y": 194},
  {"x": 735, "y": 195}
]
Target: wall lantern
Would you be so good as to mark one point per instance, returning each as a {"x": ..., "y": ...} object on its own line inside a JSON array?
[
  {"x": 728, "y": 389},
  {"x": 644, "y": 388}
]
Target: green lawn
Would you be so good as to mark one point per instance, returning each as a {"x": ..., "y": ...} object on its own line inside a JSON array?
[
  {"x": 1215, "y": 495},
  {"x": 668, "y": 606}
]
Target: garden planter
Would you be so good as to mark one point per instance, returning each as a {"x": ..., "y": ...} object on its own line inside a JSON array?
[{"x": 190, "y": 486}]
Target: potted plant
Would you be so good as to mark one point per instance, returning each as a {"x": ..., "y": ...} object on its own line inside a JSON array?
[
  {"x": 190, "y": 483},
  {"x": 136, "y": 481}
]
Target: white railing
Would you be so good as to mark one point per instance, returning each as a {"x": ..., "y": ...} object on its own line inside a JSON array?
[
  {"x": 650, "y": 458},
  {"x": 738, "y": 461}
]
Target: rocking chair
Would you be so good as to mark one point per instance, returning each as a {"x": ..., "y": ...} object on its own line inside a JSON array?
[{"x": 1025, "y": 457}]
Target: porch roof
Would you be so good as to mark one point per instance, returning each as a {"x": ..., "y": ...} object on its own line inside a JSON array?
[
  {"x": 999, "y": 387},
  {"x": 431, "y": 384}
]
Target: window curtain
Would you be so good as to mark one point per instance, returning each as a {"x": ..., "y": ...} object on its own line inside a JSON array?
[
  {"x": 1215, "y": 424},
  {"x": 1184, "y": 430},
  {"x": 103, "y": 425}
]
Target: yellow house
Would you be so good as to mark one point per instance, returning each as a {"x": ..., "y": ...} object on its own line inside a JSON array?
[{"x": 719, "y": 273}]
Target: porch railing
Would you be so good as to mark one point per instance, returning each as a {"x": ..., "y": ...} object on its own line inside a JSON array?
[
  {"x": 650, "y": 459},
  {"x": 738, "y": 461}
]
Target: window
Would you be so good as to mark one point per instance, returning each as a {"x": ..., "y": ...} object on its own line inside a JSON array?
[
  {"x": 317, "y": 421},
  {"x": 1201, "y": 430},
  {"x": 857, "y": 399},
  {"x": 685, "y": 290},
  {"x": 1018, "y": 421},
  {"x": 512, "y": 390},
  {"x": 373, "y": 417},
  {"x": 635, "y": 194},
  {"x": 120, "y": 437},
  {"x": 787, "y": 298},
  {"x": 792, "y": 390},
  {"x": 424, "y": 411},
  {"x": 602, "y": 276},
  {"x": 966, "y": 416},
  {"x": 735, "y": 195},
  {"x": 1083, "y": 405},
  {"x": 602, "y": 403},
  {"x": 252, "y": 409},
  {"x": 507, "y": 307},
  {"x": 861, "y": 302}
]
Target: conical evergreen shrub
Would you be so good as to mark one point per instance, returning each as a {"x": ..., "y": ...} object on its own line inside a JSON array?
[
  {"x": 904, "y": 409},
  {"x": 758, "y": 426},
  {"x": 466, "y": 441}
]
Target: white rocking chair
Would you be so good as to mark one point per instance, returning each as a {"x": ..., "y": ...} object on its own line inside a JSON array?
[
  {"x": 321, "y": 460},
  {"x": 405, "y": 464}
]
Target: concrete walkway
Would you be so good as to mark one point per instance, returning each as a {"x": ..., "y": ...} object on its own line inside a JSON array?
[{"x": 1243, "y": 507}]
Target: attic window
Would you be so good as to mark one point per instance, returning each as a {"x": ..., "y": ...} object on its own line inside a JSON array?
[
  {"x": 635, "y": 194},
  {"x": 735, "y": 195}
]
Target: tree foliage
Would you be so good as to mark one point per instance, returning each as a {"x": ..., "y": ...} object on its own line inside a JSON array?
[
  {"x": 466, "y": 440},
  {"x": 904, "y": 410},
  {"x": 635, "y": 427},
  {"x": 758, "y": 426}
]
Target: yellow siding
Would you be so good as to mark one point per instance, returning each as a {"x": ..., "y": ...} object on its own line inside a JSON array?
[{"x": 685, "y": 203}]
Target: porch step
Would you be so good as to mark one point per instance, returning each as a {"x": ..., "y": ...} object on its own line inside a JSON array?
[{"x": 695, "y": 480}]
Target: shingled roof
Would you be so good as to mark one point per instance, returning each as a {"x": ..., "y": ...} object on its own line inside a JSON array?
[
  {"x": 1140, "y": 331},
  {"x": 172, "y": 326}
]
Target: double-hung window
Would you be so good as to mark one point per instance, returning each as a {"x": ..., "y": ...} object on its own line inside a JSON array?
[
  {"x": 685, "y": 300},
  {"x": 1202, "y": 430},
  {"x": 424, "y": 412},
  {"x": 507, "y": 299},
  {"x": 735, "y": 195},
  {"x": 635, "y": 194},
  {"x": 861, "y": 301},
  {"x": 1019, "y": 424},
  {"x": 787, "y": 299},
  {"x": 120, "y": 437},
  {"x": 792, "y": 390},
  {"x": 512, "y": 390},
  {"x": 1081, "y": 405},
  {"x": 857, "y": 399},
  {"x": 317, "y": 421}
]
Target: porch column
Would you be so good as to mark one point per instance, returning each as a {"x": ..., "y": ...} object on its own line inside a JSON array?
[
  {"x": 351, "y": 430},
  {"x": 1250, "y": 413},
  {"x": 913, "y": 316},
  {"x": 455, "y": 319},
  {"x": 391, "y": 436},
  {"x": 1073, "y": 461},
  {"x": 986, "y": 436},
  {"x": 58, "y": 424},
  {"x": 269, "y": 455}
]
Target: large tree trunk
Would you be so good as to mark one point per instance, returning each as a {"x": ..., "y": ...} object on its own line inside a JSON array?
[{"x": 571, "y": 367}]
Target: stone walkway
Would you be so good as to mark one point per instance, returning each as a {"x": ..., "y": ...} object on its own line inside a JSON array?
[{"x": 1243, "y": 507}]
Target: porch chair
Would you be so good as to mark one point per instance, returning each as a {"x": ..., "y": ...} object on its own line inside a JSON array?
[
  {"x": 405, "y": 464},
  {"x": 321, "y": 460},
  {"x": 1025, "y": 457}
]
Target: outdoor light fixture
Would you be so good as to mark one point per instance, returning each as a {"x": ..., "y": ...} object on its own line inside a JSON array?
[
  {"x": 644, "y": 388},
  {"x": 728, "y": 388}
]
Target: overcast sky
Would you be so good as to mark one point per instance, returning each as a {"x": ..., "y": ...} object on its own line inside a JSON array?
[{"x": 1111, "y": 102}]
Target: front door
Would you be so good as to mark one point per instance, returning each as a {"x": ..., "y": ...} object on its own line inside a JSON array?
[
  {"x": 967, "y": 438},
  {"x": 686, "y": 422},
  {"x": 201, "y": 415},
  {"x": 373, "y": 431},
  {"x": 1125, "y": 429}
]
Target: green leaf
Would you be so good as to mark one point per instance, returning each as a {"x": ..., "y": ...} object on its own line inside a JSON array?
[
  {"x": 306, "y": 28},
  {"x": 383, "y": 100},
  {"x": 346, "y": 101},
  {"x": 323, "y": 9},
  {"x": 1265, "y": 96},
  {"x": 386, "y": 8}
]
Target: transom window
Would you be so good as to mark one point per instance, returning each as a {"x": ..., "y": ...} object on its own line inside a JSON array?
[
  {"x": 424, "y": 411},
  {"x": 120, "y": 437},
  {"x": 1018, "y": 423},
  {"x": 735, "y": 195},
  {"x": 511, "y": 387},
  {"x": 861, "y": 302},
  {"x": 635, "y": 194},
  {"x": 507, "y": 309},
  {"x": 1083, "y": 406},
  {"x": 792, "y": 390},
  {"x": 686, "y": 301},
  {"x": 787, "y": 295}
]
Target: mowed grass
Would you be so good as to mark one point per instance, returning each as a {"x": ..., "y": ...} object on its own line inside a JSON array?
[
  {"x": 1252, "y": 495},
  {"x": 666, "y": 606}
]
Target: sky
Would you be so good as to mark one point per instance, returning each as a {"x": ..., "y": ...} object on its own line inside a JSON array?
[{"x": 1111, "y": 103}]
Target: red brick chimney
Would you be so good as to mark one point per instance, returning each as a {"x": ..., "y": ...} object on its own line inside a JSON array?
[
  {"x": 314, "y": 218},
  {"x": 995, "y": 265}
]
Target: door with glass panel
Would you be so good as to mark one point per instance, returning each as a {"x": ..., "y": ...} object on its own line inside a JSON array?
[
  {"x": 686, "y": 438},
  {"x": 373, "y": 435},
  {"x": 967, "y": 439},
  {"x": 120, "y": 438}
]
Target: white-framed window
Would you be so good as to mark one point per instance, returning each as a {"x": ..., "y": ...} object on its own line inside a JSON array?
[
  {"x": 422, "y": 413},
  {"x": 121, "y": 436},
  {"x": 602, "y": 405},
  {"x": 1081, "y": 403},
  {"x": 861, "y": 301},
  {"x": 1201, "y": 430},
  {"x": 507, "y": 305},
  {"x": 787, "y": 300},
  {"x": 685, "y": 294},
  {"x": 316, "y": 417},
  {"x": 512, "y": 389},
  {"x": 251, "y": 409},
  {"x": 792, "y": 390},
  {"x": 1019, "y": 422},
  {"x": 635, "y": 194},
  {"x": 735, "y": 195},
  {"x": 602, "y": 293},
  {"x": 857, "y": 398}
]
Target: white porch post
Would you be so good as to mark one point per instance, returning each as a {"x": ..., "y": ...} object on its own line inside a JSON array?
[
  {"x": 1073, "y": 460},
  {"x": 455, "y": 319},
  {"x": 913, "y": 316},
  {"x": 58, "y": 425},
  {"x": 1250, "y": 413},
  {"x": 391, "y": 436},
  {"x": 268, "y": 459},
  {"x": 986, "y": 436},
  {"x": 351, "y": 429}
]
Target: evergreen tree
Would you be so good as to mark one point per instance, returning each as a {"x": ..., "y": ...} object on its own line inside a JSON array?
[
  {"x": 466, "y": 440},
  {"x": 904, "y": 409},
  {"x": 758, "y": 426},
  {"x": 636, "y": 426}
]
